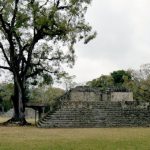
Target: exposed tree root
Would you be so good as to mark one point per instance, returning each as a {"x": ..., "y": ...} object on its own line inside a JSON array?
[{"x": 17, "y": 122}]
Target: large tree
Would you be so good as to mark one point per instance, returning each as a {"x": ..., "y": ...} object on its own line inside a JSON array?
[
  {"x": 36, "y": 38},
  {"x": 103, "y": 82},
  {"x": 120, "y": 76}
]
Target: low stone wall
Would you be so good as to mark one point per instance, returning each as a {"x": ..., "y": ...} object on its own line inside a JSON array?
[
  {"x": 85, "y": 94},
  {"x": 121, "y": 96},
  {"x": 94, "y": 94}
]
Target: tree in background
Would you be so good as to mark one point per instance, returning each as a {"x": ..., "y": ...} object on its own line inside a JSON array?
[
  {"x": 137, "y": 81},
  {"x": 46, "y": 95},
  {"x": 141, "y": 86},
  {"x": 68, "y": 82},
  {"x": 120, "y": 77},
  {"x": 6, "y": 91},
  {"x": 36, "y": 38},
  {"x": 103, "y": 82}
]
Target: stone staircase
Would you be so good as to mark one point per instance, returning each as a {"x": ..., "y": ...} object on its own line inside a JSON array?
[{"x": 67, "y": 113}]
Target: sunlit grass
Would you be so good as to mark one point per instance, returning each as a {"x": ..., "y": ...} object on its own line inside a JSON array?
[
  {"x": 32, "y": 138},
  {"x": 3, "y": 119}
]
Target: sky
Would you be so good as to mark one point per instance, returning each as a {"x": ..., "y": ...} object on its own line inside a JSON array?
[
  {"x": 123, "y": 39},
  {"x": 122, "y": 42}
]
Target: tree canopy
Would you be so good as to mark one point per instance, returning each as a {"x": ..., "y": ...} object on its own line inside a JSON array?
[
  {"x": 103, "y": 82},
  {"x": 37, "y": 37},
  {"x": 120, "y": 76},
  {"x": 137, "y": 81}
]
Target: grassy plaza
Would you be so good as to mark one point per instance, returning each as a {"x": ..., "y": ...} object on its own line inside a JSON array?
[{"x": 32, "y": 138}]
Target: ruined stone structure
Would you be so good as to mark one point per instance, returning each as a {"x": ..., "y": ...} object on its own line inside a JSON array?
[{"x": 88, "y": 107}]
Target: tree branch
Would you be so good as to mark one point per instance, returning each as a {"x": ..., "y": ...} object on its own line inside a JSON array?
[
  {"x": 6, "y": 68},
  {"x": 32, "y": 2},
  {"x": 37, "y": 71},
  {"x": 7, "y": 29},
  {"x": 53, "y": 58},
  {"x": 63, "y": 7},
  {"x": 3, "y": 4},
  {"x": 3, "y": 51},
  {"x": 36, "y": 38},
  {"x": 15, "y": 12},
  {"x": 44, "y": 4},
  {"x": 18, "y": 39},
  {"x": 57, "y": 3},
  {"x": 3, "y": 23}
]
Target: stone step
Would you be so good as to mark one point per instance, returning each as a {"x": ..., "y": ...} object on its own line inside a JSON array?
[
  {"x": 90, "y": 108},
  {"x": 77, "y": 123}
]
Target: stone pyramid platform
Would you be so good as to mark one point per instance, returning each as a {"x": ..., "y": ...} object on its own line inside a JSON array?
[{"x": 84, "y": 107}]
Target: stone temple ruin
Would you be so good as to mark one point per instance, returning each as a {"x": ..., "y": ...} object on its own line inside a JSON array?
[{"x": 89, "y": 107}]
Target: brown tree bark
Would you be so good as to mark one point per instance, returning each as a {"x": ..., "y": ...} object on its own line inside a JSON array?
[{"x": 18, "y": 100}]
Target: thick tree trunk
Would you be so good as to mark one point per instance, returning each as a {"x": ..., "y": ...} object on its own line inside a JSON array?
[
  {"x": 14, "y": 99},
  {"x": 18, "y": 100}
]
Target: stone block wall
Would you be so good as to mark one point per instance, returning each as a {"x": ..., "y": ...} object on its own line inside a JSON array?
[{"x": 121, "y": 96}]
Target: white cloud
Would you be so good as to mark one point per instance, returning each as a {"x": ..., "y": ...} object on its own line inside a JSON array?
[{"x": 87, "y": 69}]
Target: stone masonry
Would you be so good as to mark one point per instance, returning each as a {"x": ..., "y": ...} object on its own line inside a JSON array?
[{"x": 88, "y": 107}]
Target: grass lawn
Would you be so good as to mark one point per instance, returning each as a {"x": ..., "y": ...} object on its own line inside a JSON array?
[{"x": 32, "y": 138}]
